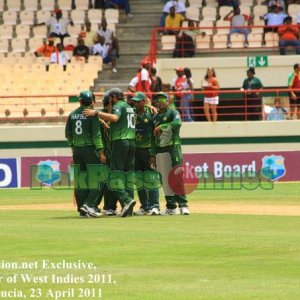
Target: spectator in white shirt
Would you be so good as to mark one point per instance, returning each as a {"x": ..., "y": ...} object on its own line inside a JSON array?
[
  {"x": 104, "y": 50},
  {"x": 110, "y": 39},
  {"x": 60, "y": 57},
  {"x": 58, "y": 26}
]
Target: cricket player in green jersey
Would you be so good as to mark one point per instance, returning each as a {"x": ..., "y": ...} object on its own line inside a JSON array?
[
  {"x": 168, "y": 152},
  {"x": 122, "y": 132},
  {"x": 149, "y": 199},
  {"x": 110, "y": 201},
  {"x": 84, "y": 136}
]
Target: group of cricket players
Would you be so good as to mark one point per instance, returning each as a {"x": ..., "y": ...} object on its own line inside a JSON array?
[{"x": 128, "y": 136}]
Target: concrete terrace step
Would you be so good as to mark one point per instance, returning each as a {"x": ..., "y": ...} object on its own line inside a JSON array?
[{"x": 134, "y": 35}]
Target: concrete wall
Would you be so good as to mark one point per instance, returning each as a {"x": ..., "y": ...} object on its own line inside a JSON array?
[
  {"x": 230, "y": 71},
  {"x": 195, "y": 130}
]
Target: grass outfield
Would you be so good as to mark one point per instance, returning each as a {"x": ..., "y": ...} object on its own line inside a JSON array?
[{"x": 202, "y": 256}]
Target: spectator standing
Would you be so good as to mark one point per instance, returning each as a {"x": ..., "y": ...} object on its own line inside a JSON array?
[
  {"x": 210, "y": 85},
  {"x": 177, "y": 87},
  {"x": 188, "y": 96},
  {"x": 294, "y": 83},
  {"x": 156, "y": 82},
  {"x": 238, "y": 20},
  {"x": 134, "y": 81},
  {"x": 253, "y": 100},
  {"x": 144, "y": 81},
  {"x": 278, "y": 113},
  {"x": 288, "y": 36},
  {"x": 60, "y": 57},
  {"x": 104, "y": 50},
  {"x": 81, "y": 50}
]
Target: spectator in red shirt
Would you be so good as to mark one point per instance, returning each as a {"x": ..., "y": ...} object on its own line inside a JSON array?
[
  {"x": 210, "y": 84},
  {"x": 46, "y": 49},
  {"x": 288, "y": 36}
]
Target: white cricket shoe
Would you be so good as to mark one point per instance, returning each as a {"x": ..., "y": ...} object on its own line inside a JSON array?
[
  {"x": 127, "y": 209},
  {"x": 141, "y": 212},
  {"x": 90, "y": 211},
  {"x": 110, "y": 213},
  {"x": 169, "y": 212},
  {"x": 185, "y": 211},
  {"x": 154, "y": 211}
]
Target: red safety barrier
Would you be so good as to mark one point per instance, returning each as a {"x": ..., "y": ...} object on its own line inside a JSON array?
[{"x": 234, "y": 105}]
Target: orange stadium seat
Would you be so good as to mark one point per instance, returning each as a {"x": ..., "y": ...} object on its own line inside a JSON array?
[
  {"x": 95, "y": 16},
  {"x": 78, "y": 16},
  {"x": 237, "y": 40},
  {"x": 203, "y": 42},
  {"x": 4, "y": 46},
  {"x": 18, "y": 45},
  {"x": 82, "y": 4},
  {"x": 219, "y": 41},
  {"x": 30, "y": 5},
  {"x": 64, "y": 4},
  {"x": 222, "y": 23},
  {"x": 42, "y": 16},
  {"x": 207, "y": 27},
  {"x": 192, "y": 13},
  {"x": 271, "y": 39},
  {"x": 209, "y": 13},
  {"x": 47, "y": 4},
  {"x": 10, "y": 17},
  {"x": 23, "y": 31},
  {"x": 13, "y": 5},
  {"x": 40, "y": 31},
  {"x": 254, "y": 40},
  {"x": 112, "y": 15},
  {"x": 6, "y": 32},
  {"x": 1, "y": 5},
  {"x": 168, "y": 42},
  {"x": 27, "y": 17}
]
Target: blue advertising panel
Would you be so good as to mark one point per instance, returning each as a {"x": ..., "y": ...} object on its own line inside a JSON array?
[{"x": 8, "y": 173}]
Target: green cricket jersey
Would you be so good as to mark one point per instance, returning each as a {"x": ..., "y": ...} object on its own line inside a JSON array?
[
  {"x": 124, "y": 128},
  {"x": 144, "y": 129},
  {"x": 83, "y": 131},
  {"x": 170, "y": 122},
  {"x": 106, "y": 135}
]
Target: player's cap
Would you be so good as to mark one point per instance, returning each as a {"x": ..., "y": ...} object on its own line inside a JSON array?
[
  {"x": 57, "y": 11},
  {"x": 86, "y": 97},
  {"x": 179, "y": 69},
  {"x": 116, "y": 92},
  {"x": 160, "y": 96},
  {"x": 138, "y": 96}
]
